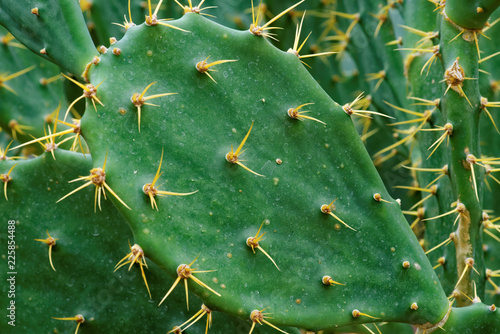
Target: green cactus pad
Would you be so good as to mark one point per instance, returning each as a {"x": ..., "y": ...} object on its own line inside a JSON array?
[
  {"x": 84, "y": 256},
  {"x": 52, "y": 29},
  {"x": 304, "y": 165}
]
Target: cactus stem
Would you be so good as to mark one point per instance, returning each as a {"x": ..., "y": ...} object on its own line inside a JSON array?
[
  {"x": 6, "y": 178},
  {"x": 328, "y": 280},
  {"x": 98, "y": 178},
  {"x": 139, "y": 100},
  {"x": 184, "y": 271},
  {"x": 203, "y": 67},
  {"x": 262, "y": 30},
  {"x": 356, "y": 314},
  {"x": 232, "y": 156},
  {"x": 78, "y": 318},
  {"x": 253, "y": 242},
  {"x": 327, "y": 210},
  {"x": 295, "y": 114},
  {"x": 49, "y": 242},
  {"x": 258, "y": 317},
  {"x": 469, "y": 263},
  {"x": 4, "y": 77},
  {"x": 191, "y": 321},
  {"x": 444, "y": 243},
  {"x": 135, "y": 256}
]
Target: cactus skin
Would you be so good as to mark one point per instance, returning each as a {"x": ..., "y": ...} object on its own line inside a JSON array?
[
  {"x": 56, "y": 28},
  {"x": 31, "y": 112},
  {"x": 97, "y": 130},
  {"x": 198, "y": 158},
  {"x": 470, "y": 14},
  {"x": 109, "y": 300},
  {"x": 476, "y": 318}
]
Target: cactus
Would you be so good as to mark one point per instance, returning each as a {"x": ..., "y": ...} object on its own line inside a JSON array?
[{"x": 228, "y": 166}]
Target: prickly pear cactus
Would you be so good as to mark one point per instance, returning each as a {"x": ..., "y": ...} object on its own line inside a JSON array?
[{"x": 214, "y": 163}]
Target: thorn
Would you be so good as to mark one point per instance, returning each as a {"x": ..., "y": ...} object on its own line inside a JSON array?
[
  {"x": 49, "y": 242},
  {"x": 6, "y": 178},
  {"x": 380, "y": 76},
  {"x": 444, "y": 243},
  {"x": 454, "y": 77},
  {"x": 152, "y": 18},
  {"x": 4, "y": 77},
  {"x": 258, "y": 317},
  {"x": 233, "y": 157},
  {"x": 377, "y": 197},
  {"x": 253, "y": 242},
  {"x": 138, "y": 99},
  {"x": 295, "y": 114},
  {"x": 327, "y": 280},
  {"x": 195, "y": 9},
  {"x": 296, "y": 48},
  {"x": 348, "y": 109},
  {"x": 263, "y": 30},
  {"x": 16, "y": 128},
  {"x": 327, "y": 210},
  {"x": 469, "y": 263},
  {"x": 191, "y": 321},
  {"x": 356, "y": 314},
  {"x": 89, "y": 91},
  {"x": 136, "y": 255},
  {"x": 152, "y": 191},
  {"x": 203, "y": 67},
  {"x": 184, "y": 271},
  {"x": 78, "y": 318},
  {"x": 98, "y": 178}
]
